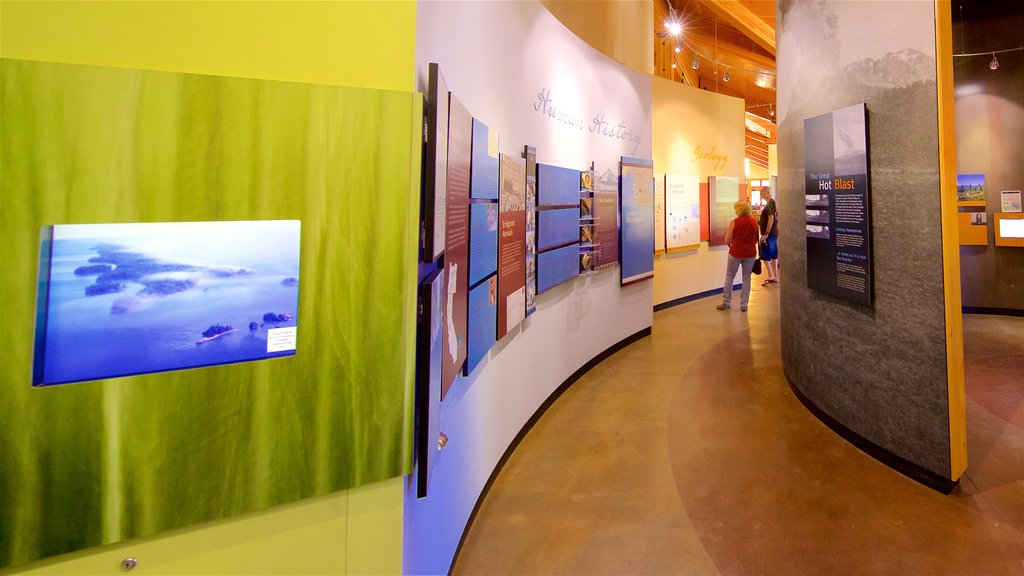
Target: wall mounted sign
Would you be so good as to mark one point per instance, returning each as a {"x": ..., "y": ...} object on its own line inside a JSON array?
[
  {"x": 511, "y": 244},
  {"x": 682, "y": 212},
  {"x": 606, "y": 216},
  {"x": 723, "y": 193},
  {"x": 530, "y": 155},
  {"x": 435, "y": 165},
  {"x": 838, "y": 202},
  {"x": 636, "y": 196},
  {"x": 456, "y": 252},
  {"x": 125, "y": 299}
]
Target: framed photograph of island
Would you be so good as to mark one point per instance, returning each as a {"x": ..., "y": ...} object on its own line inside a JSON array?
[{"x": 124, "y": 299}]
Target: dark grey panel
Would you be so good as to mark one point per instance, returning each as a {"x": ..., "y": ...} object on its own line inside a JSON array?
[{"x": 880, "y": 371}]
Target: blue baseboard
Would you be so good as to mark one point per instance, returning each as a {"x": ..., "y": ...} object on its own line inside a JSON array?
[{"x": 693, "y": 297}]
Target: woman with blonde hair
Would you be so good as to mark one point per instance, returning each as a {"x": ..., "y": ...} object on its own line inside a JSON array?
[{"x": 741, "y": 237}]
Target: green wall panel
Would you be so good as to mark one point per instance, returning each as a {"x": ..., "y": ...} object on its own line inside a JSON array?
[{"x": 98, "y": 462}]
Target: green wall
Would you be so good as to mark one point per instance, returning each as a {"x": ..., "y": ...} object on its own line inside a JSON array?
[{"x": 99, "y": 462}]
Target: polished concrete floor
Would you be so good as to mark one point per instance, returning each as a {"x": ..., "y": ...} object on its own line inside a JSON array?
[{"x": 687, "y": 453}]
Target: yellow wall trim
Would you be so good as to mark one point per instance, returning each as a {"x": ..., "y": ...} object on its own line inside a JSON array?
[{"x": 950, "y": 241}]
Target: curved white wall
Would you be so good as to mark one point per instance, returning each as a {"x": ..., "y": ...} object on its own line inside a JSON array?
[
  {"x": 497, "y": 57},
  {"x": 686, "y": 119}
]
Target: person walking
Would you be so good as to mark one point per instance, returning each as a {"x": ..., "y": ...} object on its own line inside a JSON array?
[
  {"x": 769, "y": 238},
  {"x": 741, "y": 237}
]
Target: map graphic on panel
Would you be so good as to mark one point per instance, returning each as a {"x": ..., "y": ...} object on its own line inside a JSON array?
[
  {"x": 682, "y": 211},
  {"x": 124, "y": 299},
  {"x": 456, "y": 255},
  {"x": 636, "y": 194},
  {"x": 511, "y": 244}
]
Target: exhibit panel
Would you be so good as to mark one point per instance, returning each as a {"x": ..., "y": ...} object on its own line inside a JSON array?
[
  {"x": 839, "y": 204},
  {"x": 456, "y": 255},
  {"x": 909, "y": 417},
  {"x": 102, "y": 461},
  {"x": 606, "y": 216},
  {"x": 636, "y": 239},
  {"x": 524, "y": 75}
]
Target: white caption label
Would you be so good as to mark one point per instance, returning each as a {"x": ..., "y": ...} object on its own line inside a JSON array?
[{"x": 281, "y": 339}]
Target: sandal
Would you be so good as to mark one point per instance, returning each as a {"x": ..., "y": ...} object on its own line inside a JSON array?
[{"x": 767, "y": 282}]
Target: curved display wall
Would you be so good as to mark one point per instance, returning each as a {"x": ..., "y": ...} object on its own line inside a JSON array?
[
  {"x": 531, "y": 82},
  {"x": 879, "y": 369}
]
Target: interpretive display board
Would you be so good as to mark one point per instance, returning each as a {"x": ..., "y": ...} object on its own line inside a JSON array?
[
  {"x": 1010, "y": 200},
  {"x": 530, "y": 154},
  {"x": 435, "y": 164},
  {"x": 839, "y": 251},
  {"x": 124, "y": 299},
  {"x": 659, "y": 219},
  {"x": 484, "y": 171},
  {"x": 557, "y": 227},
  {"x": 511, "y": 244},
  {"x": 606, "y": 216},
  {"x": 723, "y": 194},
  {"x": 588, "y": 234},
  {"x": 557, "y": 266},
  {"x": 483, "y": 240},
  {"x": 557, "y": 186},
  {"x": 659, "y": 213},
  {"x": 483, "y": 311},
  {"x": 682, "y": 212},
  {"x": 456, "y": 254},
  {"x": 636, "y": 196},
  {"x": 428, "y": 377}
]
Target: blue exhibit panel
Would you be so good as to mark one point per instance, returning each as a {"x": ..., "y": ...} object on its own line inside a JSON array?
[
  {"x": 557, "y": 186},
  {"x": 482, "y": 321},
  {"x": 636, "y": 197},
  {"x": 558, "y": 227},
  {"x": 557, "y": 266},
  {"x": 483, "y": 170},
  {"x": 483, "y": 240}
]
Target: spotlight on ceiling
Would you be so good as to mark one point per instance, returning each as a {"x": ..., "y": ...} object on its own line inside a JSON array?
[
  {"x": 726, "y": 77},
  {"x": 678, "y": 49},
  {"x": 994, "y": 64},
  {"x": 696, "y": 63},
  {"x": 675, "y": 28},
  {"x": 673, "y": 65}
]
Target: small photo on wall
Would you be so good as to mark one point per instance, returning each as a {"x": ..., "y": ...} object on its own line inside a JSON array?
[
  {"x": 979, "y": 219},
  {"x": 970, "y": 187}
]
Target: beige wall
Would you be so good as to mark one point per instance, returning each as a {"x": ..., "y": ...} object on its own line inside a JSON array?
[
  {"x": 684, "y": 119},
  {"x": 622, "y": 29}
]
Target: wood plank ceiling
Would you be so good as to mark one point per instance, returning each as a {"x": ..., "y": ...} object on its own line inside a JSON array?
[{"x": 734, "y": 37}]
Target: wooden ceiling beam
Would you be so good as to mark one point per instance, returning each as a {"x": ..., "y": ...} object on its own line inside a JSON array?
[{"x": 745, "y": 21}]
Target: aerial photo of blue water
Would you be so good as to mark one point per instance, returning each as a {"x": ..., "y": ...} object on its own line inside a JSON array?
[{"x": 130, "y": 299}]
